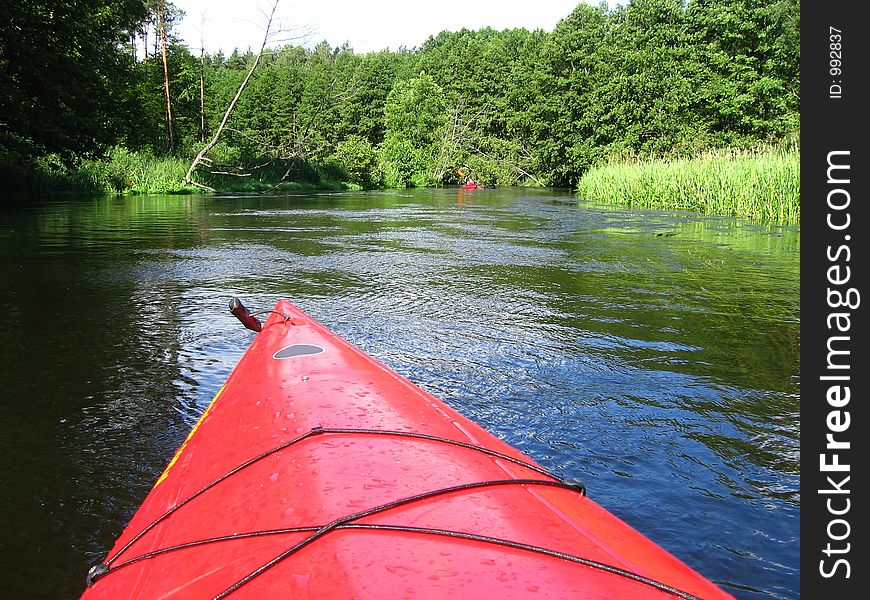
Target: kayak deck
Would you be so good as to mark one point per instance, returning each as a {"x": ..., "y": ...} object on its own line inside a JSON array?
[{"x": 318, "y": 472}]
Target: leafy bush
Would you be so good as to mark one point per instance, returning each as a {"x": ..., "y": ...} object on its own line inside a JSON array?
[
  {"x": 401, "y": 160},
  {"x": 393, "y": 176},
  {"x": 359, "y": 160}
]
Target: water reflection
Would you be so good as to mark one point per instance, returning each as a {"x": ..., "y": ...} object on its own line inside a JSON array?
[{"x": 654, "y": 355}]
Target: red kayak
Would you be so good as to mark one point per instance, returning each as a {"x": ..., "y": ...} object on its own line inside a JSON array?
[
  {"x": 471, "y": 186},
  {"x": 317, "y": 472}
]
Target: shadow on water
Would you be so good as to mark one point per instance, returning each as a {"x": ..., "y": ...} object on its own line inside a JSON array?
[{"x": 655, "y": 355}]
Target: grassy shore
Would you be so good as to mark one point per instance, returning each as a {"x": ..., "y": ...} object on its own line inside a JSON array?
[
  {"x": 138, "y": 173},
  {"x": 125, "y": 172},
  {"x": 762, "y": 184},
  {"x": 141, "y": 173}
]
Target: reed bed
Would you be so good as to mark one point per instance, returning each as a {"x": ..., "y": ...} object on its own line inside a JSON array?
[
  {"x": 129, "y": 172},
  {"x": 761, "y": 185}
]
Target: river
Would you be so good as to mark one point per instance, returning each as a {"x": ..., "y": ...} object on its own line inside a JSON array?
[{"x": 654, "y": 355}]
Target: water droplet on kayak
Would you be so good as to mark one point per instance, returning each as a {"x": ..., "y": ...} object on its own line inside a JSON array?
[
  {"x": 305, "y": 378},
  {"x": 273, "y": 477}
]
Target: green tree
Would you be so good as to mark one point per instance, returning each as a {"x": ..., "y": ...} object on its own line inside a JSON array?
[
  {"x": 373, "y": 76},
  {"x": 753, "y": 51},
  {"x": 484, "y": 74},
  {"x": 146, "y": 128},
  {"x": 415, "y": 116},
  {"x": 645, "y": 93},
  {"x": 66, "y": 70},
  {"x": 357, "y": 157},
  {"x": 201, "y": 155},
  {"x": 559, "y": 101}
]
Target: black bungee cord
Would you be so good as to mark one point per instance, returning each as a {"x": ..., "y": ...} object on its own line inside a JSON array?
[{"x": 346, "y": 522}]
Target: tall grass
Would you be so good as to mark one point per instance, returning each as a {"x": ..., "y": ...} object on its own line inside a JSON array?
[
  {"x": 121, "y": 171},
  {"x": 124, "y": 171},
  {"x": 761, "y": 184}
]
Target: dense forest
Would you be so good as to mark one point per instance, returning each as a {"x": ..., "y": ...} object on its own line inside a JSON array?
[{"x": 107, "y": 82}]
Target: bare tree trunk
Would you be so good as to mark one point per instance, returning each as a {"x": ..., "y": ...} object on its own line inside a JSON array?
[
  {"x": 201, "y": 94},
  {"x": 188, "y": 178},
  {"x": 162, "y": 25}
]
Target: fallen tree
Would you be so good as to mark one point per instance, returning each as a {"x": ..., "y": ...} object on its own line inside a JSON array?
[{"x": 201, "y": 156}]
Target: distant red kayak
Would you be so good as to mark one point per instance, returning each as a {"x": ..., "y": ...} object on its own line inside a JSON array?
[
  {"x": 471, "y": 186},
  {"x": 317, "y": 472}
]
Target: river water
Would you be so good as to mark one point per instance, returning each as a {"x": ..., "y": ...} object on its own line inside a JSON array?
[{"x": 654, "y": 355}]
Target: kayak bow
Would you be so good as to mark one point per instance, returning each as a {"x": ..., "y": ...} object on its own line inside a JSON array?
[{"x": 317, "y": 471}]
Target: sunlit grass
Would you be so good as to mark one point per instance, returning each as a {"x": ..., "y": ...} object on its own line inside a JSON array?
[
  {"x": 762, "y": 184},
  {"x": 123, "y": 171},
  {"x": 127, "y": 172}
]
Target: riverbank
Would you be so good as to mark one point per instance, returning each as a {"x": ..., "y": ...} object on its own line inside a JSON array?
[
  {"x": 761, "y": 184},
  {"x": 133, "y": 173}
]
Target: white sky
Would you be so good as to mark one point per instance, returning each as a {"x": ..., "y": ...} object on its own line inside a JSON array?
[{"x": 368, "y": 25}]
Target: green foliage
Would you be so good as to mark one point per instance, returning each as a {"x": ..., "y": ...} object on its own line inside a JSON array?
[
  {"x": 487, "y": 81},
  {"x": 752, "y": 51},
  {"x": 372, "y": 77},
  {"x": 52, "y": 173},
  {"x": 121, "y": 171},
  {"x": 359, "y": 160},
  {"x": 560, "y": 124},
  {"x": 65, "y": 71},
  {"x": 415, "y": 117},
  {"x": 664, "y": 77}
]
